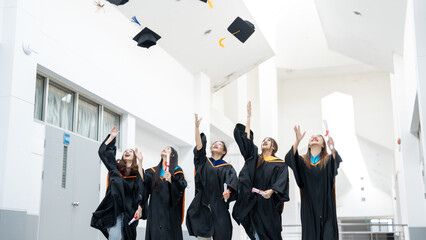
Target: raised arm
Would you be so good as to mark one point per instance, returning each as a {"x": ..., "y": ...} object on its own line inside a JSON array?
[
  {"x": 336, "y": 159},
  {"x": 330, "y": 143},
  {"x": 112, "y": 135},
  {"x": 139, "y": 156},
  {"x": 107, "y": 150},
  {"x": 248, "y": 119},
  {"x": 294, "y": 161},
  {"x": 299, "y": 137},
  {"x": 198, "y": 141}
]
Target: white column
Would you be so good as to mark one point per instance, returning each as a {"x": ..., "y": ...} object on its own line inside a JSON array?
[
  {"x": 17, "y": 78},
  {"x": 417, "y": 199},
  {"x": 409, "y": 79},
  {"x": 268, "y": 100},
  {"x": 128, "y": 131},
  {"x": 203, "y": 94},
  {"x": 242, "y": 98}
]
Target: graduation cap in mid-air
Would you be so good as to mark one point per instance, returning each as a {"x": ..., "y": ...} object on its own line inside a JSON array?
[
  {"x": 146, "y": 38},
  {"x": 118, "y": 2},
  {"x": 241, "y": 29}
]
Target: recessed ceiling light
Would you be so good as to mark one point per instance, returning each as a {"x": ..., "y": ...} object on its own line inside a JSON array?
[
  {"x": 357, "y": 13},
  {"x": 207, "y": 31}
]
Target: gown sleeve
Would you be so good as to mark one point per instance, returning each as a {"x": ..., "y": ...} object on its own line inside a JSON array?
[
  {"x": 245, "y": 145},
  {"x": 107, "y": 154},
  {"x": 295, "y": 162},
  {"x": 335, "y": 164},
  {"x": 178, "y": 186},
  {"x": 281, "y": 185},
  {"x": 200, "y": 155},
  {"x": 140, "y": 197},
  {"x": 232, "y": 181},
  {"x": 147, "y": 188},
  {"x": 148, "y": 181}
]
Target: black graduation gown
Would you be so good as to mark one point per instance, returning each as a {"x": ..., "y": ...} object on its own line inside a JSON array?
[
  {"x": 166, "y": 206},
  {"x": 208, "y": 214},
  {"x": 318, "y": 196},
  {"x": 123, "y": 196},
  {"x": 253, "y": 211}
]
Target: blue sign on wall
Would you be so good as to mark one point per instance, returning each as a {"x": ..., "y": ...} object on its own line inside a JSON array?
[{"x": 66, "y": 139}]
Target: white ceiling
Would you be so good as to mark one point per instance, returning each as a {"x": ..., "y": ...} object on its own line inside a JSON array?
[
  {"x": 371, "y": 37},
  {"x": 182, "y": 25}
]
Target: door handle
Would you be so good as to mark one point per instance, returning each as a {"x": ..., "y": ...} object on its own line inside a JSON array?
[{"x": 75, "y": 204}]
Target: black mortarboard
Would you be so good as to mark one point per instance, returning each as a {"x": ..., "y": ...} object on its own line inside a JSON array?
[
  {"x": 241, "y": 29},
  {"x": 118, "y": 2},
  {"x": 203, "y": 1},
  {"x": 146, "y": 38}
]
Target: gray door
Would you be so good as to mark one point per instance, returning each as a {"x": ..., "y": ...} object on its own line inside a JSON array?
[{"x": 70, "y": 190}]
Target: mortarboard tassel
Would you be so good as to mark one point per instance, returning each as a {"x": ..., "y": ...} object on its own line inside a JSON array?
[
  {"x": 135, "y": 20},
  {"x": 220, "y": 40},
  {"x": 210, "y": 4}
]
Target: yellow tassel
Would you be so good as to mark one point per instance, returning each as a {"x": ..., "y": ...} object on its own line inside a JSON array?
[{"x": 220, "y": 42}]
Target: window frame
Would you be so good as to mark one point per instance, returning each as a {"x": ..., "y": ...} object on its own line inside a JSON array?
[{"x": 47, "y": 81}]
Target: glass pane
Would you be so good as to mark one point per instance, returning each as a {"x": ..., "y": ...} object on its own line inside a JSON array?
[
  {"x": 38, "y": 102},
  {"x": 110, "y": 120},
  {"x": 60, "y": 107},
  {"x": 88, "y": 118}
]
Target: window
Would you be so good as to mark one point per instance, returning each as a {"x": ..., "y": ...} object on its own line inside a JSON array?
[
  {"x": 88, "y": 118},
  {"x": 57, "y": 105},
  {"x": 60, "y": 107},
  {"x": 39, "y": 96},
  {"x": 110, "y": 120}
]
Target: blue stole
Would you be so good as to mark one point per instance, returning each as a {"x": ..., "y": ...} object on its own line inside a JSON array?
[
  {"x": 315, "y": 159},
  {"x": 162, "y": 172},
  {"x": 217, "y": 162}
]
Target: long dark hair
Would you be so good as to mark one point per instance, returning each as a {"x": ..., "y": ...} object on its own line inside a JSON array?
[
  {"x": 172, "y": 165},
  {"x": 121, "y": 166},
  {"x": 224, "y": 148},
  {"x": 323, "y": 158},
  {"x": 274, "y": 146}
]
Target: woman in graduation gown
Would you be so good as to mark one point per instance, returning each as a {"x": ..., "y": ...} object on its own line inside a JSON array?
[
  {"x": 165, "y": 184},
  {"x": 124, "y": 196},
  {"x": 260, "y": 214},
  {"x": 315, "y": 174},
  {"x": 208, "y": 214}
]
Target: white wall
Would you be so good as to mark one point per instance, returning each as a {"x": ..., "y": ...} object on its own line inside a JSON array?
[
  {"x": 92, "y": 52},
  {"x": 95, "y": 51},
  {"x": 300, "y": 103},
  {"x": 302, "y": 43},
  {"x": 405, "y": 84}
]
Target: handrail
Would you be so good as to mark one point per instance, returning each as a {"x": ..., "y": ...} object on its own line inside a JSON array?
[
  {"x": 355, "y": 224},
  {"x": 397, "y": 230}
]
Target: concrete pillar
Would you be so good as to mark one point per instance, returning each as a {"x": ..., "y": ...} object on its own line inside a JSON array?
[
  {"x": 414, "y": 179},
  {"x": 202, "y": 101},
  {"x": 128, "y": 131},
  {"x": 268, "y": 101},
  {"x": 17, "y": 78}
]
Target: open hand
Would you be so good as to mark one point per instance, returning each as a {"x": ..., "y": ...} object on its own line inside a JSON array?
[
  {"x": 139, "y": 154},
  {"x": 299, "y": 135},
  {"x": 197, "y": 121},
  {"x": 114, "y": 132}
]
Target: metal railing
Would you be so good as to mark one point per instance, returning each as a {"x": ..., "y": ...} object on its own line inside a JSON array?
[{"x": 354, "y": 231}]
